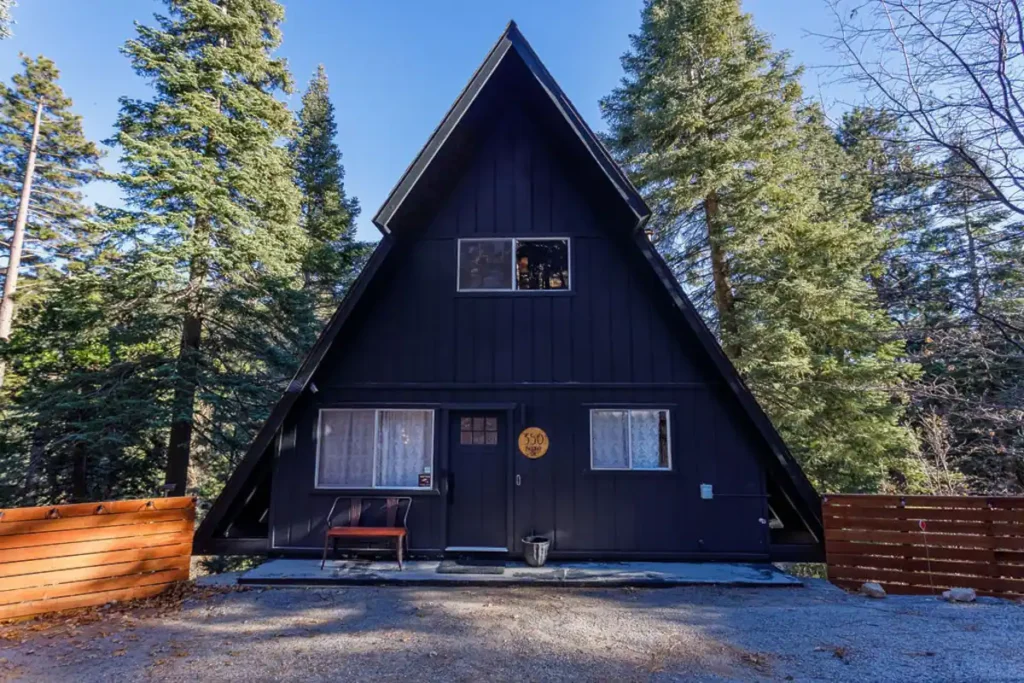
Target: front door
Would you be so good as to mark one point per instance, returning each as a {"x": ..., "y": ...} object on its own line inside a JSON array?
[{"x": 477, "y": 481}]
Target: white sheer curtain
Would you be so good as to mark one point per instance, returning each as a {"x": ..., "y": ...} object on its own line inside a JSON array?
[
  {"x": 609, "y": 439},
  {"x": 404, "y": 446},
  {"x": 645, "y": 439},
  {"x": 346, "y": 448}
]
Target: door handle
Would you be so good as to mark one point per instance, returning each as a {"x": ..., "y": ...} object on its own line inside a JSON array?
[{"x": 519, "y": 480}]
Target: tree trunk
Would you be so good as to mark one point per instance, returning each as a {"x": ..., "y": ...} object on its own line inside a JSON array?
[
  {"x": 36, "y": 455},
  {"x": 179, "y": 447},
  {"x": 79, "y": 480},
  {"x": 724, "y": 301},
  {"x": 14, "y": 260},
  {"x": 972, "y": 264}
]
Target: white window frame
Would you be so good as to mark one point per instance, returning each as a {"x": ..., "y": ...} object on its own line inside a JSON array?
[
  {"x": 629, "y": 437},
  {"x": 376, "y": 442},
  {"x": 514, "y": 284}
]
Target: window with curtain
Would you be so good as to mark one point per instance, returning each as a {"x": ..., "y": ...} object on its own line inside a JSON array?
[
  {"x": 624, "y": 439},
  {"x": 366, "y": 448}
]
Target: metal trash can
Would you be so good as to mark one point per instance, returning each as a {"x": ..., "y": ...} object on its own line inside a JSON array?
[{"x": 535, "y": 550}]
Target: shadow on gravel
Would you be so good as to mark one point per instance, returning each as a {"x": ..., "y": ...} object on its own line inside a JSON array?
[{"x": 544, "y": 634}]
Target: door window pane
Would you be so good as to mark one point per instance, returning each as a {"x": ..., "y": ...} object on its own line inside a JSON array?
[
  {"x": 485, "y": 264},
  {"x": 609, "y": 439},
  {"x": 478, "y": 431},
  {"x": 542, "y": 264},
  {"x": 346, "y": 448}
]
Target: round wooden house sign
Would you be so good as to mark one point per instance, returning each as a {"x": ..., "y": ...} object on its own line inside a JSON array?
[{"x": 533, "y": 442}]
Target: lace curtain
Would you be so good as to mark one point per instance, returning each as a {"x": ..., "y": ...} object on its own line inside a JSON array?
[
  {"x": 404, "y": 446},
  {"x": 609, "y": 439},
  {"x": 629, "y": 439},
  {"x": 346, "y": 448},
  {"x": 645, "y": 439}
]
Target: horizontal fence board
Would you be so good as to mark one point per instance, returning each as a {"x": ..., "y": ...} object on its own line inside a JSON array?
[
  {"x": 931, "y": 527},
  {"x": 94, "y": 521},
  {"x": 88, "y": 509},
  {"x": 95, "y": 534},
  {"x": 28, "y": 609},
  {"x": 896, "y": 589},
  {"x": 71, "y": 556},
  {"x": 929, "y": 514},
  {"x": 34, "y": 567},
  {"x": 12, "y": 585},
  {"x": 955, "y": 502},
  {"x": 918, "y": 565},
  {"x": 61, "y": 590},
  {"x": 929, "y": 539},
  {"x": 61, "y": 550},
  {"x": 926, "y": 579},
  {"x": 971, "y": 541},
  {"x": 877, "y": 549}
]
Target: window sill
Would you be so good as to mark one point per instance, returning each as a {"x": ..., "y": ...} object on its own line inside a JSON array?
[
  {"x": 643, "y": 474},
  {"x": 375, "y": 493},
  {"x": 516, "y": 293}
]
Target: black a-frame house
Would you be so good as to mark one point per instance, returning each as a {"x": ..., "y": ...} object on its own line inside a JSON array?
[{"x": 514, "y": 290}]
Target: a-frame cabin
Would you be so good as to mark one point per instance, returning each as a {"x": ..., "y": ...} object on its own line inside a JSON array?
[{"x": 514, "y": 287}]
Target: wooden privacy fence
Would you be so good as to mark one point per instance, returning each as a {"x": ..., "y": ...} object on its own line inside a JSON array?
[
  {"x": 68, "y": 556},
  {"x": 926, "y": 544}
]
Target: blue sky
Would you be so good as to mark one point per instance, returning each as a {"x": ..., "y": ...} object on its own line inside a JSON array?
[{"x": 395, "y": 65}]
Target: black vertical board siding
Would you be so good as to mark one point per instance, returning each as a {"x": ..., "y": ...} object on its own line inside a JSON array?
[
  {"x": 543, "y": 339},
  {"x": 561, "y": 339},
  {"x": 523, "y": 187},
  {"x": 504, "y": 181},
  {"x": 579, "y": 306},
  {"x": 504, "y": 338},
  {"x": 486, "y": 223},
  {"x": 619, "y": 319},
  {"x": 602, "y": 319},
  {"x": 414, "y": 339}
]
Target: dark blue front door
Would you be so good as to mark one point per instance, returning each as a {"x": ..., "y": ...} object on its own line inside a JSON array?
[{"x": 477, "y": 481}]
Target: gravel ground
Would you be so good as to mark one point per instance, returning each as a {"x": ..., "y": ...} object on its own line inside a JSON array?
[{"x": 815, "y": 633}]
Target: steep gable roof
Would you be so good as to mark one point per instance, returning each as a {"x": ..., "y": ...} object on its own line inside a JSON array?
[
  {"x": 416, "y": 186},
  {"x": 510, "y": 45}
]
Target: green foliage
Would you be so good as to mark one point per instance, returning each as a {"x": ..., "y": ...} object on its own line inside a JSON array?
[
  {"x": 755, "y": 211},
  {"x": 59, "y": 224},
  {"x": 334, "y": 257},
  {"x": 213, "y": 191},
  {"x": 90, "y": 379}
]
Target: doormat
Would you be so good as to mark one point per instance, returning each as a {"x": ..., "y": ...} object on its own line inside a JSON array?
[{"x": 471, "y": 566}]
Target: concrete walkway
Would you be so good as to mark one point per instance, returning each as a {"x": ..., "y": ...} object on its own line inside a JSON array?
[{"x": 575, "y": 574}]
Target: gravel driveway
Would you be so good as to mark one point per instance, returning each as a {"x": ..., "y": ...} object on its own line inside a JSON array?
[{"x": 815, "y": 633}]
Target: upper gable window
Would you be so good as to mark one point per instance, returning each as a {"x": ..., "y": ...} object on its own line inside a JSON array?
[{"x": 508, "y": 264}]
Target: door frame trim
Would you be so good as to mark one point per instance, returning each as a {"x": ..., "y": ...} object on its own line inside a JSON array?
[{"x": 509, "y": 411}]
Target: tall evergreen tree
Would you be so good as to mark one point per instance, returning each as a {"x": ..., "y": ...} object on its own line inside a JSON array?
[
  {"x": 328, "y": 215},
  {"x": 59, "y": 225},
  {"x": 214, "y": 189},
  {"x": 751, "y": 209}
]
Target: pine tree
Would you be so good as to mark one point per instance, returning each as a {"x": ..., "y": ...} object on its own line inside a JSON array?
[
  {"x": 206, "y": 173},
  {"x": 5, "y": 18},
  {"x": 328, "y": 215},
  {"x": 59, "y": 224},
  {"x": 89, "y": 419},
  {"x": 752, "y": 210}
]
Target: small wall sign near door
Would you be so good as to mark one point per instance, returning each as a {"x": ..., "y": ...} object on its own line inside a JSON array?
[{"x": 533, "y": 442}]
